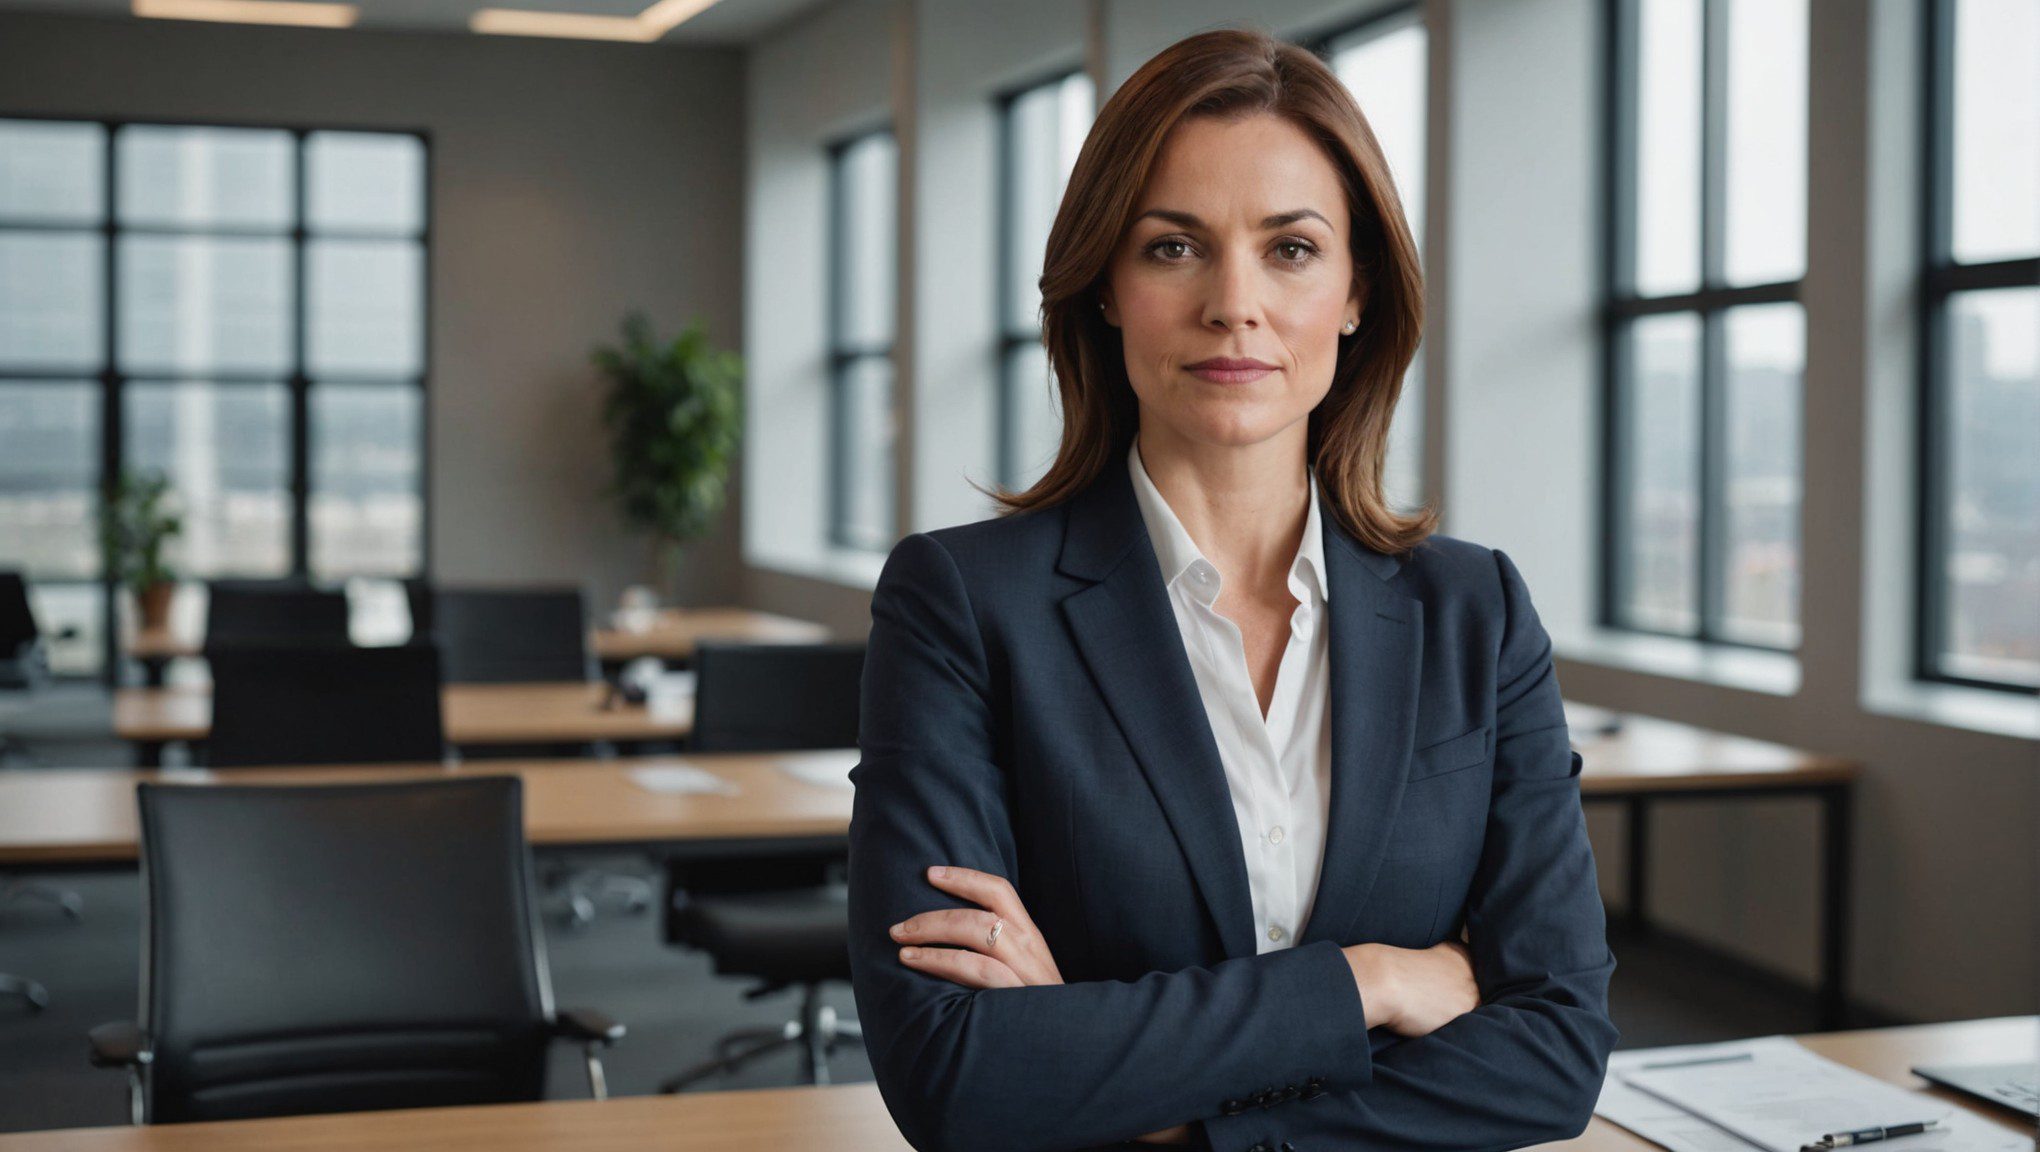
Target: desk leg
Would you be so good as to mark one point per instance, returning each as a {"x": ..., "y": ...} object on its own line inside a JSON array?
[
  {"x": 149, "y": 753},
  {"x": 1834, "y": 940},
  {"x": 1638, "y": 917}
]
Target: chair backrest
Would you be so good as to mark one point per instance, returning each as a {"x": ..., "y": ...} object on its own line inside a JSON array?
[
  {"x": 775, "y": 697},
  {"x": 21, "y": 651},
  {"x": 336, "y": 948},
  {"x": 325, "y": 704},
  {"x": 243, "y": 612},
  {"x": 418, "y": 598},
  {"x": 511, "y": 635}
]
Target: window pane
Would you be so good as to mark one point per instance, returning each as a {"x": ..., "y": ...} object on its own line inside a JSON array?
[
  {"x": 1035, "y": 423},
  {"x": 51, "y": 285},
  {"x": 209, "y": 177},
  {"x": 194, "y": 304},
  {"x": 1766, "y": 161},
  {"x": 1766, "y": 357},
  {"x": 1997, "y": 130},
  {"x": 1668, "y": 147},
  {"x": 868, "y": 453},
  {"x": 79, "y": 607},
  {"x": 365, "y": 180},
  {"x": 1385, "y": 72},
  {"x": 52, "y": 172},
  {"x": 220, "y": 177},
  {"x": 869, "y": 182},
  {"x": 1045, "y": 129},
  {"x": 1990, "y": 626},
  {"x": 367, "y": 505},
  {"x": 225, "y": 448},
  {"x": 1662, "y": 487},
  {"x": 365, "y": 303},
  {"x": 49, "y": 478}
]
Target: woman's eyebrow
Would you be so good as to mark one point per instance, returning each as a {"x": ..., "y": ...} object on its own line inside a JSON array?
[{"x": 1278, "y": 220}]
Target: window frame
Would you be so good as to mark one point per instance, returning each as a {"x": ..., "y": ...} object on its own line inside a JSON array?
[
  {"x": 298, "y": 381},
  {"x": 1711, "y": 301},
  {"x": 844, "y": 356},
  {"x": 1942, "y": 279}
]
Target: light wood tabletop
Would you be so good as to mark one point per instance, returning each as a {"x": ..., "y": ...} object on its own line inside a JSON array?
[
  {"x": 563, "y": 712},
  {"x": 671, "y": 634},
  {"x": 1648, "y": 754},
  {"x": 852, "y": 1117},
  {"x": 57, "y": 816}
]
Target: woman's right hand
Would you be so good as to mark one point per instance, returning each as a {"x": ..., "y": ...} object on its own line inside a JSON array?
[{"x": 1413, "y": 991}]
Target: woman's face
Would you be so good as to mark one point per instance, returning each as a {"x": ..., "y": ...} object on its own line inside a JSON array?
[{"x": 1239, "y": 251}]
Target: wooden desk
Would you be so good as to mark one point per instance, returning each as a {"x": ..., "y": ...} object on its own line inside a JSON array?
[
  {"x": 569, "y": 712},
  {"x": 852, "y": 1117},
  {"x": 1649, "y": 761},
  {"x": 672, "y": 636},
  {"x": 67, "y": 817}
]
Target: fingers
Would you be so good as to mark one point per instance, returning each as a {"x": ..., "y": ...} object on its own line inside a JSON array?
[
  {"x": 966, "y": 927},
  {"x": 982, "y": 889},
  {"x": 970, "y": 969}
]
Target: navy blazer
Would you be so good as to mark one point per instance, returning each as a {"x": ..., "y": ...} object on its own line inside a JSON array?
[{"x": 1028, "y": 710}]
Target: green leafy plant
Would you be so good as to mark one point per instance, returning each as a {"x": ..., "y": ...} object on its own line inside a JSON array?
[
  {"x": 134, "y": 525},
  {"x": 675, "y": 417}
]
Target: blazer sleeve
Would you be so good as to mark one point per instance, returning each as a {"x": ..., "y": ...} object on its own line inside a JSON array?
[
  {"x": 1526, "y": 1066},
  {"x": 1049, "y": 1067}
]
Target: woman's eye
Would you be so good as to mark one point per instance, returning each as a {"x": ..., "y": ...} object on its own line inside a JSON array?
[
  {"x": 1163, "y": 248},
  {"x": 1303, "y": 251}
]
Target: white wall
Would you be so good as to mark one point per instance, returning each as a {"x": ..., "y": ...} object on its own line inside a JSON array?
[{"x": 571, "y": 182}]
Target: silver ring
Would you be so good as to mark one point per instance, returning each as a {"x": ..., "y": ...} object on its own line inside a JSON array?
[{"x": 992, "y": 937}]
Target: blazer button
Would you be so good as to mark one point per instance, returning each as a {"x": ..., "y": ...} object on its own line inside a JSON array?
[
  {"x": 1262, "y": 1146},
  {"x": 1288, "y": 1147},
  {"x": 1312, "y": 1089},
  {"x": 1232, "y": 1107}
]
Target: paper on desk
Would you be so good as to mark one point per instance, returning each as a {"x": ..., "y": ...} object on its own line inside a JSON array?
[
  {"x": 1782, "y": 1097},
  {"x": 829, "y": 769},
  {"x": 681, "y": 779},
  {"x": 1666, "y": 1124}
]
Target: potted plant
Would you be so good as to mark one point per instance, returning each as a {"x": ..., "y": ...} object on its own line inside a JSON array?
[
  {"x": 675, "y": 416},
  {"x": 134, "y": 525}
]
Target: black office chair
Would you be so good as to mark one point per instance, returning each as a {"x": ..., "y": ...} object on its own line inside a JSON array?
[
  {"x": 339, "y": 948},
  {"x": 511, "y": 635},
  {"x": 240, "y": 613},
  {"x": 276, "y": 704},
  {"x": 418, "y": 598},
  {"x": 783, "y": 921},
  {"x": 24, "y": 668}
]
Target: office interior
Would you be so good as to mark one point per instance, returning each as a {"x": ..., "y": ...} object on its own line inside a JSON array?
[{"x": 1732, "y": 344}]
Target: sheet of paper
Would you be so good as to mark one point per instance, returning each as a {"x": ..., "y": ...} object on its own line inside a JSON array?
[
  {"x": 1768, "y": 1061},
  {"x": 1785, "y": 1097},
  {"x": 830, "y": 768},
  {"x": 681, "y": 779}
]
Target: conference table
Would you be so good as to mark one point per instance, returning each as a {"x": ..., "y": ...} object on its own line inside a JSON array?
[
  {"x": 853, "y": 1118},
  {"x": 1642, "y": 761},
  {"x": 667, "y": 633},
  {"x": 773, "y": 802},
  {"x": 562, "y": 712}
]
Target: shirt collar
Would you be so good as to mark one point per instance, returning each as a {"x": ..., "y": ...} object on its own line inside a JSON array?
[{"x": 1179, "y": 554}]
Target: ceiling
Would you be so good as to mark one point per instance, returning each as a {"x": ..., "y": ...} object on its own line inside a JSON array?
[{"x": 726, "y": 22}]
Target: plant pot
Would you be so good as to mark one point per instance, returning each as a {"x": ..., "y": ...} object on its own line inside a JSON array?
[{"x": 154, "y": 603}]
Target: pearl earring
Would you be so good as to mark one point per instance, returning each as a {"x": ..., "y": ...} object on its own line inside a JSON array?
[{"x": 1348, "y": 329}]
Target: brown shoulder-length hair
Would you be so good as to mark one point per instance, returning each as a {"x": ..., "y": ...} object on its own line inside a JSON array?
[{"x": 1232, "y": 73}]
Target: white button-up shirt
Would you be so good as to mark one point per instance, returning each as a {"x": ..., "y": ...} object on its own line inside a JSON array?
[{"x": 1278, "y": 769}]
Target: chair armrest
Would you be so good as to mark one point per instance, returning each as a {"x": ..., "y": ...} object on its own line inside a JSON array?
[
  {"x": 121, "y": 1044},
  {"x": 587, "y": 1025}
]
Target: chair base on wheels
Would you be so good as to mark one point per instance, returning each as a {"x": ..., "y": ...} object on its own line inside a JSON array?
[
  {"x": 37, "y": 996},
  {"x": 65, "y": 900},
  {"x": 816, "y": 1033}
]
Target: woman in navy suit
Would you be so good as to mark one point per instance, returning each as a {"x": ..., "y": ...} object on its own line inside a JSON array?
[{"x": 1205, "y": 799}]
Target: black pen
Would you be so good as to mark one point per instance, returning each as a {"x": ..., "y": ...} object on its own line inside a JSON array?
[{"x": 1867, "y": 1135}]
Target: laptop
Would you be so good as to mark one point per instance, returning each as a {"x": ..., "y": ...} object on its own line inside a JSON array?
[{"x": 2015, "y": 1086}]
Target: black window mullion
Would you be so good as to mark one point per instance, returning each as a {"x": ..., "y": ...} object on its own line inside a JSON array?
[
  {"x": 1712, "y": 551},
  {"x": 300, "y": 381},
  {"x": 112, "y": 423},
  {"x": 1006, "y": 432}
]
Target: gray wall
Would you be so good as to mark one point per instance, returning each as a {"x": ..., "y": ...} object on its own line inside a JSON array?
[{"x": 570, "y": 183}]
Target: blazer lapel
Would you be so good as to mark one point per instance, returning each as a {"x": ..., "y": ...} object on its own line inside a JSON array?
[
  {"x": 1126, "y": 630},
  {"x": 1376, "y": 657}
]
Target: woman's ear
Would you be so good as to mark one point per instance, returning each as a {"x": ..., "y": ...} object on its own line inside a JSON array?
[{"x": 1106, "y": 308}]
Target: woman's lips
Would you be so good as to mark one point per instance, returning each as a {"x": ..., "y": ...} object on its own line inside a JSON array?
[{"x": 1222, "y": 371}]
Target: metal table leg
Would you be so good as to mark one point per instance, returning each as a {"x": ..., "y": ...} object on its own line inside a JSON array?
[{"x": 1834, "y": 939}]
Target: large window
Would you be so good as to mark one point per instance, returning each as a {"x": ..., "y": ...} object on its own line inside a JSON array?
[
  {"x": 1384, "y": 63},
  {"x": 1705, "y": 336},
  {"x": 864, "y": 254},
  {"x": 1979, "y": 479},
  {"x": 1041, "y": 129},
  {"x": 240, "y": 309}
]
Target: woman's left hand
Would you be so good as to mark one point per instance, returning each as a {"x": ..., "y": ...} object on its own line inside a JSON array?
[{"x": 1017, "y": 958}]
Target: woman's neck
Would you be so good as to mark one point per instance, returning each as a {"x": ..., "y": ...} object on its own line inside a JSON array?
[{"x": 1245, "y": 507}]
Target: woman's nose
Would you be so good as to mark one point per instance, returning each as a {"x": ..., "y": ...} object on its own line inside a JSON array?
[{"x": 1232, "y": 298}]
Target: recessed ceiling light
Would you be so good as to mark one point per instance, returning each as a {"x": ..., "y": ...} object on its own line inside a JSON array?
[
  {"x": 662, "y": 17},
  {"x": 304, "y": 14}
]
